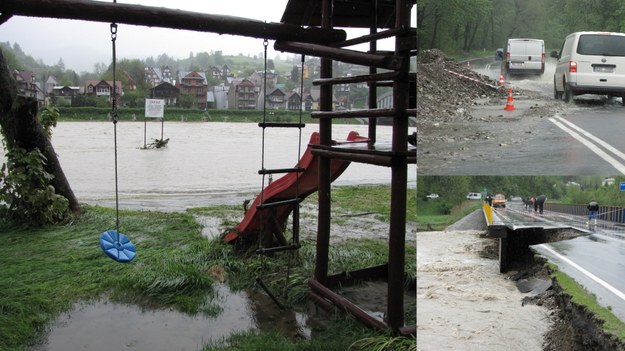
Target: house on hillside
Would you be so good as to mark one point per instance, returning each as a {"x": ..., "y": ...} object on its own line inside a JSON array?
[
  {"x": 193, "y": 83},
  {"x": 155, "y": 75},
  {"x": 214, "y": 72},
  {"x": 258, "y": 79},
  {"x": 242, "y": 95},
  {"x": 276, "y": 100},
  {"x": 314, "y": 98},
  {"x": 293, "y": 102},
  {"x": 65, "y": 91},
  {"x": 225, "y": 72},
  {"x": 26, "y": 83},
  {"x": 220, "y": 93},
  {"x": 308, "y": 102},
  {"x": 50, "y": 83},
  {"x": 165, "y": 91},
  {"x": 104, "y": 88},
  {"x": 220, "y": 72}
]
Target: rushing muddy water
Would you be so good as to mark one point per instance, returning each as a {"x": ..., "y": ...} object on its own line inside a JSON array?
[
  {"x": 203, "y": 163},
  {"x": 464, "y": 303}
]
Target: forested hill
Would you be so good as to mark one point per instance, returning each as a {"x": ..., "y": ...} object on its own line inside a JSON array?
[{"x": 457, "y": 26}]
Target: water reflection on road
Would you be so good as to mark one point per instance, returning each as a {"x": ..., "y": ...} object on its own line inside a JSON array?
[{"x": 203, "y": 164}]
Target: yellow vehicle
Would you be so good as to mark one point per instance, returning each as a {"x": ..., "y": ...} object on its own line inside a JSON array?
[{"x": 499, "y": 200}]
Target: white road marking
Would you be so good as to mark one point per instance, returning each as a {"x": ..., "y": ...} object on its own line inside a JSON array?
[
  {"x": 598, "y": 280},
  {"x": 594, "y": 148},
  {"x": 589, "y": 135}
]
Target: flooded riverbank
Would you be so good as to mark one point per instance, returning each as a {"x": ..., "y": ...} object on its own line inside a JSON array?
[{"x": 203, "y": 163}]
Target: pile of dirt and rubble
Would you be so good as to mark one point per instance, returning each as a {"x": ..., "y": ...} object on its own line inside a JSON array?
[
  {"x": 447, "y": 89},
  {"x": 462, "y": 117}
]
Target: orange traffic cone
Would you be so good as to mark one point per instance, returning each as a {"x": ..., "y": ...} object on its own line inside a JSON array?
[
  {"x": 501, "y": 81},
  {"x": 509, "y": 104}
]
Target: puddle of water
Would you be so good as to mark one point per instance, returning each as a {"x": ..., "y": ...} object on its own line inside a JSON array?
[
  {"x": 107, "y": 325},
  {"x": 371, "y": 297}
]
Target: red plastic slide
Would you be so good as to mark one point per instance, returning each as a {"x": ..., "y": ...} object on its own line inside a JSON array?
[{"x": 287, "y": 187}]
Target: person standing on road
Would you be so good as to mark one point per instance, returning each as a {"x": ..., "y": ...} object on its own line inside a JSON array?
[
  {"x": 530, "y": 203},
  {"x": 489, "y": 200},
  {"x": 593, "y": 208},
  {"x": 539, "y": 203}
]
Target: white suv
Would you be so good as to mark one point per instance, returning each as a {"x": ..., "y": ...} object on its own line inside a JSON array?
[{"x": 590, "y": 63}]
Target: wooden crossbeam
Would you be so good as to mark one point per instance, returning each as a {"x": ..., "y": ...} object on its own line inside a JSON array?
[{"x": 151, "y": 16}]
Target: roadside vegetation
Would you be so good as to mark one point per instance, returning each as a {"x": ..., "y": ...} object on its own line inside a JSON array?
[
  {"x": 451, "y": 203},
  {"x": 47, "y": 269},
  {"x": 435, "y": 215}
]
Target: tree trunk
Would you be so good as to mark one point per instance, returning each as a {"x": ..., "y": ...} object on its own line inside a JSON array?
[
  {"x": 21, "y": 128},
  {"x": 472, "y": 38},
  {"x": 437, "y": 18}
]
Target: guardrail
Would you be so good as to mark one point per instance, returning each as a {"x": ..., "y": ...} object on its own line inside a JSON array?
[
  {"x": 488, "y": 213},
  {"x": 605, "y": 213}
]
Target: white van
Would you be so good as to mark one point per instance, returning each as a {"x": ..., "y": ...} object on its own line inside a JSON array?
[
  {"x": 590, "y": 63},
  {"x": 524, "y": 56},
  {"x": 474, "y": 196}
]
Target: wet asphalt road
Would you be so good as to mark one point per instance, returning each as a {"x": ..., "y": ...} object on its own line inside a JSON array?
[
  {"x": 584, "y": 137},
  {"x": 596, "y": 261}
]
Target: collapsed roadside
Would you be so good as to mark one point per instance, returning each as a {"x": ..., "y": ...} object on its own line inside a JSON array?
[{"x": 460, "y": 289}]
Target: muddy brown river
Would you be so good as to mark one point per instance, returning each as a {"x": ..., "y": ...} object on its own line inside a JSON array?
[{"x": 203, "y": 163}]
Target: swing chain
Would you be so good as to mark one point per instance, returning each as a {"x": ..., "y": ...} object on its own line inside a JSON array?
[
  {"x": 114, "y": 116},
  {"x": 114, "y": 100}
]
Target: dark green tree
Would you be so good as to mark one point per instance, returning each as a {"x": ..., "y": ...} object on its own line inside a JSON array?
[{"x": 295, "y": 74}]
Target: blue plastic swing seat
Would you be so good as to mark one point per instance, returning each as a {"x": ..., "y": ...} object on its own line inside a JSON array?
[{"x": 117, "y": 246}]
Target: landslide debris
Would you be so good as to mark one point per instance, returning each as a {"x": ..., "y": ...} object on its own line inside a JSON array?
[{"x": 443, "y": 95}]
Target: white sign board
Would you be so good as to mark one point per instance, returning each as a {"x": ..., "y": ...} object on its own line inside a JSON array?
[{"x": 154, "y": 108}]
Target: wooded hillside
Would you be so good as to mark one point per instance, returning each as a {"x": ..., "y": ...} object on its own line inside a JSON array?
[{"x": 456, "y": 26}]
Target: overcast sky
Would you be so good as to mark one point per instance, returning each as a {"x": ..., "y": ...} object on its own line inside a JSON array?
[{"x": 82, "y": 44}]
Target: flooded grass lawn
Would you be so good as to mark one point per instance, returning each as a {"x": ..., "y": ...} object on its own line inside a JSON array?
[{"x": 183, "y": 291}]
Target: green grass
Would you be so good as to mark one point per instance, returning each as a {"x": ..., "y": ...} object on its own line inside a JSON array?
[
  {"x": 431, "y": 214},
  {"x": 369, "y": 199},
  {"x": 581, "y": 297},
  {"x": 46, "y": 270}
]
